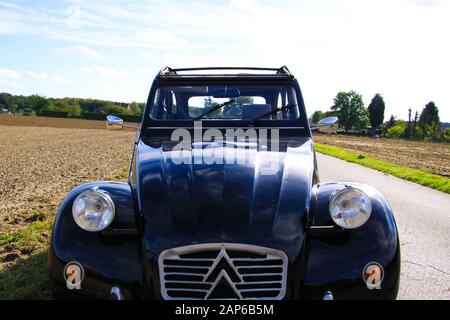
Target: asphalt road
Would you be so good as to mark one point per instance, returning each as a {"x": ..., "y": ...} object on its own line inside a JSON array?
[{"x": 423, "y": 220}]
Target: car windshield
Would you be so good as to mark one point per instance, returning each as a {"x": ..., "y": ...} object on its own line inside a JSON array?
[{"x": 225, "y": 102}]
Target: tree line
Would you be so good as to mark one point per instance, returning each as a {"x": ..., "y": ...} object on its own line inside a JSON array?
[
  {"x": 355, "y": 117},
  {"x": 73, "y": 107}
]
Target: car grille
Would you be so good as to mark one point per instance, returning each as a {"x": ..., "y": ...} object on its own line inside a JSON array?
[{"x": 223, "y": 271}]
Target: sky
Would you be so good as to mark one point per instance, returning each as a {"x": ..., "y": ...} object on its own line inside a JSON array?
[{"x": 112, "y": 50}]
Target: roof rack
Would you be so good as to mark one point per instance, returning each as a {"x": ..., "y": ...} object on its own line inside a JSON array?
[{"x": 168, "y": 72}]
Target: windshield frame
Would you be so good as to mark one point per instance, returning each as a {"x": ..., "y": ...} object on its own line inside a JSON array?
[{"x": 149, "y": 123}]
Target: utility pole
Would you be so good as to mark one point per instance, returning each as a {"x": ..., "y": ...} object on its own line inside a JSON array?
[
  {"x": 416, "y": 118},
  {"x": 408, "y": 130}
]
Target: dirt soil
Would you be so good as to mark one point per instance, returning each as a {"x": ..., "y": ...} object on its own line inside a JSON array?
[
  {"x": 38, "y": 166},
  {"x": 431, "y": 157},
  {"x": 41, "y": 159}
]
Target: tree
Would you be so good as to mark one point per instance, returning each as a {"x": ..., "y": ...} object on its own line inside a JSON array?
[
  {"x": 60, "y": 105},
  {"x": 349, "y": 108},
  {"x": 446, "y": 134},
  {"x": 74, "y": 108},
  {"x": 116, "y": 109},
  {"x": 6, "y": 100},
  {"x": 20, "y": 102},
  {"x": 391, "y": 122},
  {"x": 209, "y": 104},
  {"x": 234, "y": 110},
  {"x": 38, "y": 103},
  {"x": 395, "y": 131},
  {"x": 376, "y": 111},
  {"x": 414, "y": 127},
  {"x": 316, "y": 117},
  {"x": 409, "y": 126},
  {"x": 135, "y": 107},
  {"x": 319, "y": 115},
  {"x": 433, "y": 131},
  {"x": 429, "y": 116}
]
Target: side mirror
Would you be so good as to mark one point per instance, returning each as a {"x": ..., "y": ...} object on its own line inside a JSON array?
[
  {"x": 328, "y": 125},
  {"x": 116, "y": 121}
]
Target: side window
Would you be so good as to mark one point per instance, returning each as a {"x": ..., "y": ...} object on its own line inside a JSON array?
[
  {"x": 282, "y": 101},
  {"x": 154, "y": 114},
  {"x": 279, "y": 105},
  {"x": 292, "y": 98},
  {"x": 174, "y": 103},
  {"x": 164, "y": 105}
]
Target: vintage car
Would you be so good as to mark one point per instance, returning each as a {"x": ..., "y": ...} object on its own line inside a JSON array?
[{"x": 223, "y": 201}]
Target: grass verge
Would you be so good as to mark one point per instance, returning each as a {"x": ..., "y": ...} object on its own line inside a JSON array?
[
  {"x": 27, "y": 277},
  {"x": 417, "y": 176}
]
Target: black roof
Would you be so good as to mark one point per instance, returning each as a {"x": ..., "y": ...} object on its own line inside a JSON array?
[{"x": 225, "y": 72}]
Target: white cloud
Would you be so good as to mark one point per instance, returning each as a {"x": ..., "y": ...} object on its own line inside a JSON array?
[
  {"x": 105, "y": 72},
  {"x": 9, "y": 74},
  {"x": 9, "y": 84},
  {"x": 135, "y": 24},
  {"x": 147, "y": 56},
  {"x": 8, "y": 78},
  {"x": 79, "y": 51},
  {"x": 45, "y": 76},
  {"x": 427, "y": 3}
]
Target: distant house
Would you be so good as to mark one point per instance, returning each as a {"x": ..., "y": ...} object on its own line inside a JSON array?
[{"x": 4, "y": 111}]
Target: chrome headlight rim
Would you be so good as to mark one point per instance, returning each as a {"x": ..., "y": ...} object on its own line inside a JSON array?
[
  {"x": 105, "y": 196},
  {"x": 339, "y": 193}
]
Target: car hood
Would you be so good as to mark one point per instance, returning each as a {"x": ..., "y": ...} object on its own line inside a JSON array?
[{"x": 243, "y": 202}]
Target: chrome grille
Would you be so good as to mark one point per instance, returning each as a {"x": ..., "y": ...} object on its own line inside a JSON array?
[{"x": 222, "y": 271}]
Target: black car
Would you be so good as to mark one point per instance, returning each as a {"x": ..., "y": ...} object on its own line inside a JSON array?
[{"x": 223, "y": 201}]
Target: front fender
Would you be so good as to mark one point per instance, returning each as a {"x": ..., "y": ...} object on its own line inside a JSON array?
[
  {"x": 107, "y": 260},
  {"x": 337, "y": 257}
]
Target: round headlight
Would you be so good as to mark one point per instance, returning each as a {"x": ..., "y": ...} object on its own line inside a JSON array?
[
  {"x": 350, "y": 208},
  {"x": 93, "y": 210}
]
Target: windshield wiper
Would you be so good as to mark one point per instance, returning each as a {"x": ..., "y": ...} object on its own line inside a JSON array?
[
  {"x": 274, "y": 111},
  {"x": 215, "y": 108}
]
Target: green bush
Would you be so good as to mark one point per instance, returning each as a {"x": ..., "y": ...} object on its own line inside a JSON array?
[
  {"x": 114, "y": 109},
  {"x": 93, "y": 116},
  {"x": 418, "y": 133},
  {"x": 395, "y": 132},
  {"x": 130, "y": 118}
]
